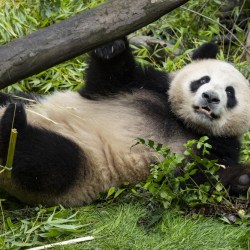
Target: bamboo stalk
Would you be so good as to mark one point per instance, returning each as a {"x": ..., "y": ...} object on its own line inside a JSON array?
[
  {"x": 63, "y": 243},
  {"x": 11, "y": 151}
]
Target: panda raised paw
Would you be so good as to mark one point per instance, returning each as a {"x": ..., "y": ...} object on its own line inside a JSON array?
[{"x": 111, "y": 50}]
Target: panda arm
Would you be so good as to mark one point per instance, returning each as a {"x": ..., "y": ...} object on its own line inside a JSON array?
[
  {"x": 112, "y": 69},
  {"x": 232, "y": 174}
]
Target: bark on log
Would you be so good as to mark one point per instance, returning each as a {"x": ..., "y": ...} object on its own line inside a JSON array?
[{"x": 59, "y": 42}]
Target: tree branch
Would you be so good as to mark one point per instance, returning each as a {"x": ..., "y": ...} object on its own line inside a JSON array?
[{"x": 59, "y": 42}]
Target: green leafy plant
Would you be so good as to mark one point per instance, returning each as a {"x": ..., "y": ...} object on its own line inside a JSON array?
[
  {"x": 245, "y": 151},
  {"x": 173, "y": 179},
  {"x": 179, "y": 29},
  {"x": 42, "y": 223}
]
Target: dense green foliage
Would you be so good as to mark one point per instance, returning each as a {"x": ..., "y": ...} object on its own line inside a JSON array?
[
  {"x": 137, "y": 222},
  {"x": 182, "y": 190}
]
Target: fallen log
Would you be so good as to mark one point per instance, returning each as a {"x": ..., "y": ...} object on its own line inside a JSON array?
[{"x": 67, "y": 39}]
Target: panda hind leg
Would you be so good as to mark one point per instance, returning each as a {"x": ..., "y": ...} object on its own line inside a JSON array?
[
  {"x": 4, "y": 99},
  {"x": 45, "y": 162},
  {"x": 14, "y": 117}
]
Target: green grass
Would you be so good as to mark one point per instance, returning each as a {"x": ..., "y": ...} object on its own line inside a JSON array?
[
  {"x": 174, "y": 232},
  {"x": 120, "y": 226}
]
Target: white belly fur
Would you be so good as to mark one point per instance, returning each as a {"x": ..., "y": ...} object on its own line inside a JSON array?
[{"x": 105, "y": 131}]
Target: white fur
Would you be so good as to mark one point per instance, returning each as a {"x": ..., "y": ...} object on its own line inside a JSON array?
[
  {"x": 232, "y": 122},
  {"x": 105, "y": 130}
]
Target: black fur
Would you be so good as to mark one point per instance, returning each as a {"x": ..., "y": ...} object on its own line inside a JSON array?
[
  {"x": 121, "y": 73},
  {"x": 44, "y": 162},
  {"x": 195, "y": 85},
  {"x": 206, "y": 51},
  {"x": 111, "y": 49},
  {"x": 226, "y": 149},
  {"x": 231, "y": 99}
]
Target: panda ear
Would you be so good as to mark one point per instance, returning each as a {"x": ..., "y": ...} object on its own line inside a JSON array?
[{"x": 206, "y": 51}]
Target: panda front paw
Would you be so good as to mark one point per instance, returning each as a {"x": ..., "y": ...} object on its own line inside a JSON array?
[
  {"x": 112, "y": 49},
  {"x": 237, "y": 179}
]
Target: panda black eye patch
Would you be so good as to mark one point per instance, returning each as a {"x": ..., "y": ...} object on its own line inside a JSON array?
[
  {"x": 194, "y": 86},
  {"x": 231, "y": 99}
]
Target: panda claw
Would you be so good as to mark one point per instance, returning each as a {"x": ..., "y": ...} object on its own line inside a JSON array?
[{"x": 111, "y": 50}]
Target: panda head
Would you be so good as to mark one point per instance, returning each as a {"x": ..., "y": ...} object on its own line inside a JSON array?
[{"x": 211, "y": 96}]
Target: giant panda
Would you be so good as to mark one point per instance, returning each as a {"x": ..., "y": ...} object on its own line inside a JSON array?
[{"x": 73, "y": 145}]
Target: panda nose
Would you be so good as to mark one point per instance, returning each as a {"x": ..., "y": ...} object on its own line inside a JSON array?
[{"x": 211, "y": 97}]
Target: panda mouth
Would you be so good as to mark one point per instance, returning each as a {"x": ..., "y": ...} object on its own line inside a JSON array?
[{"x": 205, "y": 111}]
